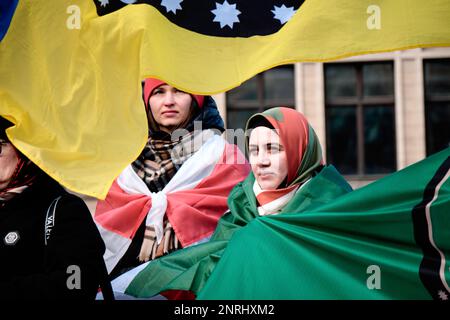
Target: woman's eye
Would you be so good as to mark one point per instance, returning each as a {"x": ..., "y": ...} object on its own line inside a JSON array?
[
  {"x": 158, "y": 91},
  {"x": 274, "y": 149}
]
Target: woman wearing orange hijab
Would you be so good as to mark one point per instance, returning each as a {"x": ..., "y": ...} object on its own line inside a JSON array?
[{"x": 288, "y": 176}]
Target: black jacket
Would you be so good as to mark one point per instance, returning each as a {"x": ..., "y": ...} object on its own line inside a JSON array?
[{"x": 68, "y": 265}]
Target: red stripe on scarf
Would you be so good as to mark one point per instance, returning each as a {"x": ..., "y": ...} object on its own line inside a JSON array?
[
  {"x": 193, "y": 213},
  {"x": 268, "y": 196}
]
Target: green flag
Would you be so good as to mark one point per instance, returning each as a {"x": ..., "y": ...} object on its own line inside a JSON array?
[
  {"x": 189, "y": 269},
  {"x": 389, "y": 240}
]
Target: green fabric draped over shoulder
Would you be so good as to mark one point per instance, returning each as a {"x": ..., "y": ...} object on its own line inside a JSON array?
[
  {"x": 388, "y": 240},
  {"x": 190, "y": 268}
]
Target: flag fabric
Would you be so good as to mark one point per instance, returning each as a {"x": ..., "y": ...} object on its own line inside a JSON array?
[
  {"x": 78, "y": 113},
  {"x": 71, "y": 71},
  {"x": 388, "y": 240},
  {"x": 7, "y": 8},
  {"x": 190, "y": 268},
  {"x": 193, "y": 200},
  {"x": 377, "y": 243}
]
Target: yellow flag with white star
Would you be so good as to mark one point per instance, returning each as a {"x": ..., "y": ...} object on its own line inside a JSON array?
[{"x": 71, "y": 70}]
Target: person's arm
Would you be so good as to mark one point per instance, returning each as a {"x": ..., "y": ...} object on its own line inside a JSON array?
[{"x": 73, "y": 258}]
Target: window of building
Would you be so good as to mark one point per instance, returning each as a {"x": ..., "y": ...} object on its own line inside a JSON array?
[
  {"x": 272, "y": 88},
  {"x": 437, "y": 104},
  {"x": 360, "y": 117}
]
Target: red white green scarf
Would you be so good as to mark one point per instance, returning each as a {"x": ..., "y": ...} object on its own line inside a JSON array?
[{"x": 304, "y": 155}]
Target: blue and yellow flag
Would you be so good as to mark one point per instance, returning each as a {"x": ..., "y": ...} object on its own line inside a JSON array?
[{"x": 70, "y": 71}]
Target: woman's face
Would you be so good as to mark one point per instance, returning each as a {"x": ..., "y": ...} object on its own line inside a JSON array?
[
  {"x": 170, "y": 107},
  {"x": 8, "y": 163},
  {"x": 267, "y": 157}
]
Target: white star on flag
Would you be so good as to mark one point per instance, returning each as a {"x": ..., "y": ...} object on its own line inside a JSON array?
[
  {"x": 442, "y": 295},
  {"x": 226, "y": 14},
  {"x": 171, "y": 5},
  {"x": 103, "y": 3},
  {"x": 283, "y": 13}
]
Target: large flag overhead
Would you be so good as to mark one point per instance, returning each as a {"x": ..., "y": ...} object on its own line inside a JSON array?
[{"x": 70, "y": 71}]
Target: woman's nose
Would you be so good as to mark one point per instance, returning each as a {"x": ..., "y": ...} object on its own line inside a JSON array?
[
  {"x": 263, "y": 159},
  {"x": 169, "y": 98}
]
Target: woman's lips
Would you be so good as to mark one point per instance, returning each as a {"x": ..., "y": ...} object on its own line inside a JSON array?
[
  {"x": 169, "y": 113},
  {"x": 265, "y": 175}
]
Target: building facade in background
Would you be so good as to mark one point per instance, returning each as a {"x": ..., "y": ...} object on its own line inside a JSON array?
[{"x": 374, "y": 114}]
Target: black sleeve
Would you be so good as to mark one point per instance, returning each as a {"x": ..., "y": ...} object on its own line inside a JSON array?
[{"x": 73, "y": 260}]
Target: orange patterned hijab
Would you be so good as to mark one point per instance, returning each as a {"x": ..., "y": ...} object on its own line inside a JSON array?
[{"x": 301, "y": 144}]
